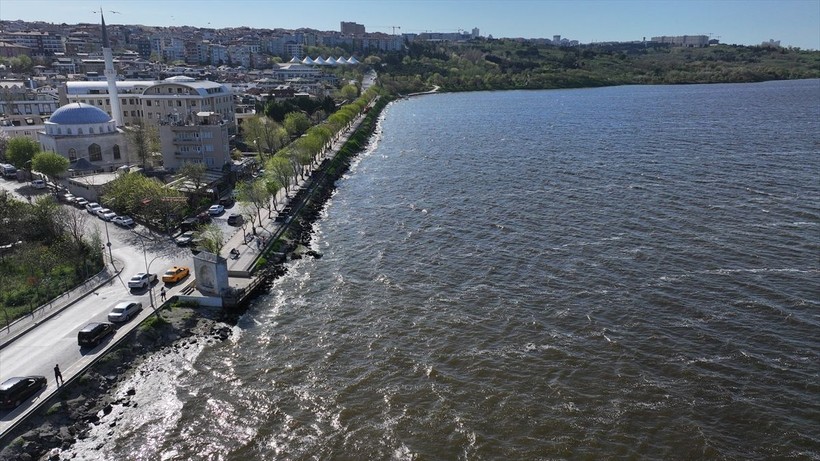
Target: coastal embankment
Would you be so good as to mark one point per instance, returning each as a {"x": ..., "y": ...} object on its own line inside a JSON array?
[{"x": 180, "y": 328}]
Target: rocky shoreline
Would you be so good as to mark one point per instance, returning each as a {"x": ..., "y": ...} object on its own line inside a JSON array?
[{"x": 80, "y": 404}]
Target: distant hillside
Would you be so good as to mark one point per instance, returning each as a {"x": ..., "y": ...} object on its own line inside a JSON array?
[{"x": 509, "y": 64}]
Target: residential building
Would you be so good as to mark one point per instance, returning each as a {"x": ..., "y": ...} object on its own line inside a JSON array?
[
  {"x": 41, "y": 43},
  {"x": 351, "y": 28},
  {"x": 687, "y": 41},
  {"x": 201, "y": 138}
]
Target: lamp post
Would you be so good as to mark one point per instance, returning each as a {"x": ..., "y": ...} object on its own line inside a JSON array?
[
  {"x": 108, "y": 238},
  {"x": 148, "y": 271}
]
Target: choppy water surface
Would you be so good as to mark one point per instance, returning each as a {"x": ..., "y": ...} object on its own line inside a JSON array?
[{"x": 625, "y": 272}]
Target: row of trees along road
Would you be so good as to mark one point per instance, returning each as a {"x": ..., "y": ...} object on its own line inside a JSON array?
[{"x": 292, "y": 161}]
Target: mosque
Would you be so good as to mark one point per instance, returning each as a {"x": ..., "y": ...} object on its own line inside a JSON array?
[{"x": 87, "y": 136}]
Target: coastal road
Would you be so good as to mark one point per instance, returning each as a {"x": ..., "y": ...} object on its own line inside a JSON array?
[{"x": 54, "y": 341}]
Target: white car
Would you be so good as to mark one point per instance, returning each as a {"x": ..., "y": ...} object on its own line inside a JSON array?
[
  {"x": 38, "y": 184},
  {"x": 124, "y": 221},
  {"x": 81, "y": 202},
  {"x": 106, "y": 215},
  {"x": 124, "y": 311},
  {"x": 216, "y": 210},
  {"x": 92, "y": 207},
  {"x": 142, "y": 280}
]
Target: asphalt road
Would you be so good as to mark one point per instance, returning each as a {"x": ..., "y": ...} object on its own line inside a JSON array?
[{"x": 54, "y": 341}]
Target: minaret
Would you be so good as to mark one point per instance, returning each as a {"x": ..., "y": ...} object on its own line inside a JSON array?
[{"x": 111, "y": 76}]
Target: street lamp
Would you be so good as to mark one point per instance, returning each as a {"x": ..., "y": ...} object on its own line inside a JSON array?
[
  {"x": 148, "y": 271},
  {"x": 108, "y": 238}
]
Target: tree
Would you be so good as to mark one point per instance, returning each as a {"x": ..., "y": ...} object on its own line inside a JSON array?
[
  {"x": 20, "y": 151},
  {"x": 50, "y": 164},
  {"x": 194, "y": 171},
  {"x": 144, "y": 141},
  {"x": 296, "y": 123},
  {"x": 254, "y": 194},
  {"x": 278, "y": 167},
  {"x": 264, "y": 134},
  {"x": 349, "y": 92},
  {"x": 211, "y": 239}
]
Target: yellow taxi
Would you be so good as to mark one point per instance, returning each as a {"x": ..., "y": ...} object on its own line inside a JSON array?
[{"x": 175, "y": 274}]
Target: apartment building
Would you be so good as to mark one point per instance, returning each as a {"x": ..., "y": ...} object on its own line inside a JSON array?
[{"x": 201, "y": 138}]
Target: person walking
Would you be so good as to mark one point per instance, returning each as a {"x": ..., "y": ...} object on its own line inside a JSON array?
[
  {"x": 162, "y": 293},
  {"x": 58, "y": 376}
]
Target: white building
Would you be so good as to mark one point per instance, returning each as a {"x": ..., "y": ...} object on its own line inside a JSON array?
[
  {"x": 155, "y": 101},
  {"x": 85, "y": 134}
]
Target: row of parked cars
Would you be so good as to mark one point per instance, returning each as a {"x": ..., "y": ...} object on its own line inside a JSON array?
[{"x": 15, "y": 391}]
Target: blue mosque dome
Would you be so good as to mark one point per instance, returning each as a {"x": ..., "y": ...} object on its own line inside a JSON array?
[{"x": 78, "y": 113}]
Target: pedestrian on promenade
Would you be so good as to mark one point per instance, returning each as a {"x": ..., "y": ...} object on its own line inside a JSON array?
[
  {"x": 58, "y": 376},
  {"x": 162, "y": 293}
]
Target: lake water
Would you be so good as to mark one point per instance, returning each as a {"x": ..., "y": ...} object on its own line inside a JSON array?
[{"x": 626, "y": 272}]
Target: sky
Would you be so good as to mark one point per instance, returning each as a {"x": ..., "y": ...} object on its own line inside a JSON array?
[{"x": 795, "y": 23}]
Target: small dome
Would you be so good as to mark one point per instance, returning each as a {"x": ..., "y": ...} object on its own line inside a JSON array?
[{"x": 78, "y": 113}]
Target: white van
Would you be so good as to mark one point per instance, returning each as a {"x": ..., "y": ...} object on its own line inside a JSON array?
[{"x": 38, "y": 184}]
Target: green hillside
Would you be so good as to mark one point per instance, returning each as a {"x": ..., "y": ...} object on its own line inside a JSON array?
[{"x": 511, "y": 64}]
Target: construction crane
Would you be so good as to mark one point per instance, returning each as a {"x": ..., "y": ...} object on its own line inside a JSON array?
[{"x": 394, "y": 29}]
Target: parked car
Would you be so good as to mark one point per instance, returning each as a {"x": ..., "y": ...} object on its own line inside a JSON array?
[
  {"x": 175, "y": 274},
  {"x": 215, "y": 210},
  {"x": 94, "y": 333},
  {"x": 124, "y": 311},
  {"x": 80, "y": 202},
  {"x": 92, "y": 207},
  {"x": 106, "y": 215},
  {"x": 68, "y": 198},
  {"x": 123, "y": 221},
  {"x": 142, "y": 280},
  {"x": 227, "y": 201},
  {"x": 14, "y": 391},
  {"x": 184, "y": 238},
  {"x": 235, "y": 219},
  {"x": 38, "y": 184}
]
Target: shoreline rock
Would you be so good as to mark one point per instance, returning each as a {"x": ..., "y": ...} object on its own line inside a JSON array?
[{"x": 78, "y": 405}]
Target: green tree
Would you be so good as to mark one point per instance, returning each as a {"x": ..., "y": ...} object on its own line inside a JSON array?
[
  {"x": 144, "y": 141},
  {"x": 20, "y": 151},
  {"x": 296, "y": 123},
  {"x": 50, "y": 164},
  {"x": 349, "y": 92},
  {"x": 255, "y": 195},
  {"x": 212, "y": 239},
  {"x": 195, "y": 172}
]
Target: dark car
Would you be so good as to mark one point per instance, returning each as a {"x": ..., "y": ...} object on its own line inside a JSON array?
[
  {"x": 227, "y": 201},
  {"x": 189, "y": 224},
  {"x": 235, "y": 219},
  {"x": 14, "y": 391},
  {"x": 94, "y": 333}
]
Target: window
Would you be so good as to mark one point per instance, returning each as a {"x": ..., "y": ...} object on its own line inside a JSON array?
[
  {"x": 79, "y": 131},
  {"x": 91, "y": 130},
  {"x": 69, "y": 130},
  {"x": 116, "y": 152},
  {"x": 148, "y": 103},
  {"x": 94, "y": 153},
  {"x": 72, "y": 154}
]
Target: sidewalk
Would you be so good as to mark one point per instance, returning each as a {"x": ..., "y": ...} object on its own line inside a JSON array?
[
  {"x": 249, "y": 249},
  {"x": 25, "y": 324}
]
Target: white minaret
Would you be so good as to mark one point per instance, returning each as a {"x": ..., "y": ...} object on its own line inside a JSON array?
[{"x": 111, "y": 76}]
